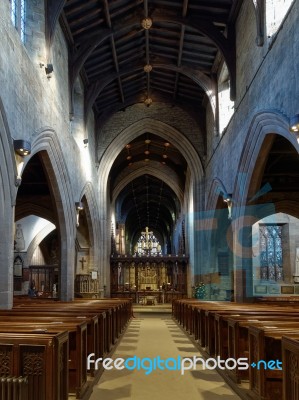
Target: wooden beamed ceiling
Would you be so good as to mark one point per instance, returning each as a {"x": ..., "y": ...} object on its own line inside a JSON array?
[{"x": 109, "y": 49}]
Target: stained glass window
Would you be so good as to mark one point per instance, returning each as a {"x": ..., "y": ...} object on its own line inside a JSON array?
[
  {"x": 271, "y": 252},
  {"x": 148, "y": 245}
]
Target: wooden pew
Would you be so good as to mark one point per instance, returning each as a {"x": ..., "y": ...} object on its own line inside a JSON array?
[
  {"x": 212, "y": 317},
  {"x": 290, "y": 362},
  {"x": 42, "y": 358},
  {"x": 110, "y": 329},
  {"x": 265, "y": 344},
  {"x": 105, "y": 321},
  {"x": 77, "y": 333}
]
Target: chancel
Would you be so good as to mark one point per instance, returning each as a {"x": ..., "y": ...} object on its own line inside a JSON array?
[{"x": 149, "y": 171}]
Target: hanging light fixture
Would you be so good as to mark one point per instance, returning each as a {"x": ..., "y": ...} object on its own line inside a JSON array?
[
  {"x": 147, "y": 23},
  {"x": 166, "y": 145},
  {"x": 129, "y": 156},
  {"x": 147, "y": 68},
  {"x": 148, "y": 101},
  {"x": 147, "y": 142}
]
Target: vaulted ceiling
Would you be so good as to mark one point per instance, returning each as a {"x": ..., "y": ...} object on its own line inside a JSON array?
[
  {"x": 147, "y": 200},
  {"x": 144, "y": 51}
]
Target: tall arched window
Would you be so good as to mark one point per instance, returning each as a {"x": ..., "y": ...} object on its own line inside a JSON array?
[
  {"x": 276, "y": 10},
  {"x": 147, "y": 245},
  {"x": 226, "y": 105},
  {"x": 18, "y": 16}
]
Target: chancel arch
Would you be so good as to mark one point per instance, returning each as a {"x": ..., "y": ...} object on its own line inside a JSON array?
[
  {"x": 169, "y": 135},
  {"x": 164, "y": 174}
]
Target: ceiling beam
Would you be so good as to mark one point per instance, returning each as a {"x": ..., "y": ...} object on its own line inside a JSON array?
[
  {"x": 201, "y": 79},
  {"x": 181, "y": 45},
  {"x": 225, "y": 45}
]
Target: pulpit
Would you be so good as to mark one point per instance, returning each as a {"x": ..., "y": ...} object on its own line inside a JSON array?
[{"x": 86, "y": 286}]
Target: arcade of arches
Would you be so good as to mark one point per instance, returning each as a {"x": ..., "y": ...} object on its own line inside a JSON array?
[{"x": 159, "y": 151}]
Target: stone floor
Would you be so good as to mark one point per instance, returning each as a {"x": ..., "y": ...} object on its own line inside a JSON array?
[{"x": 156, "y": 334}]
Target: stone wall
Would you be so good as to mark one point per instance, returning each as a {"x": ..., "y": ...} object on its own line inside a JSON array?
[
  {"x": 267, "y": 80},
  {"x": 32, "y": 101},
  {"x": 171, "y": 115}
]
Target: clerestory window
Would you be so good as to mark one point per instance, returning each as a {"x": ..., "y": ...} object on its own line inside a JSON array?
[
  {"x": 276, "y": 11},
  {"x": 18, "y": 16}
]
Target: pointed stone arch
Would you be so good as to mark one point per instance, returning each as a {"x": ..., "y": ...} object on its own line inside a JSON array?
[
  {"x": 47, "y": 144},
  {"x": 128, "y": 134},
  {"x": 92, "y": 214},
  {"x": 158, "y": 128},
  {"x": 263, "y": 124},
  {"x": 8, "y": 174},
  {"x": 37, "y": 240},
  {"x": 257, "y": 145},
  {"x": 158, "y": 173}
]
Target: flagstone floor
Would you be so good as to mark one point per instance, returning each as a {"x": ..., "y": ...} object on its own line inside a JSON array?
[{"x": 151, "y": 335}]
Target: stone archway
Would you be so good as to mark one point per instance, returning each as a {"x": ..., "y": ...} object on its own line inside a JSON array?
[
  {"x": 92, "y": 214},
  {"x": 264, "y": 127},
  {"x": 37, "y": 240},
  {"x": 164, "y": 176},
  {"x": 47, "y": 144},
  {"x": 8, "y": 174},
  {"x": 131, "y": 132}
]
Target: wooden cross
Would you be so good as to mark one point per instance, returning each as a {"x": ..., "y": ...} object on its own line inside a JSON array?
[{"x": 82, "y": 261}]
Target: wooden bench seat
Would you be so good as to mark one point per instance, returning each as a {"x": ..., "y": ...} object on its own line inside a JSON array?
[
  {"x": 42, "y": 358},
  {"x": 223, "y": 330},
  {"x": 265, "y": 343},
  {"x": 92, "y": 326},
  {"x": 290, "y": 362},
  {"x": 77, "y": 350}
]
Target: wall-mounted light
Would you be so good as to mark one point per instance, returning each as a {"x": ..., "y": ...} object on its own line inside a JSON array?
[
  {"x": 22, "y": 147},
  {"x": 294, "y": 124},
  {"x": 79, "y": 207},
  {"x": 85, "y": 141},
  {"x": 227, "y": 198},
  {"x": 48, "y": 68}
]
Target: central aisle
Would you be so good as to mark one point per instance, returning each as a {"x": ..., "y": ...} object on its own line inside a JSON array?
[{"x": 152, "y": 335}]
